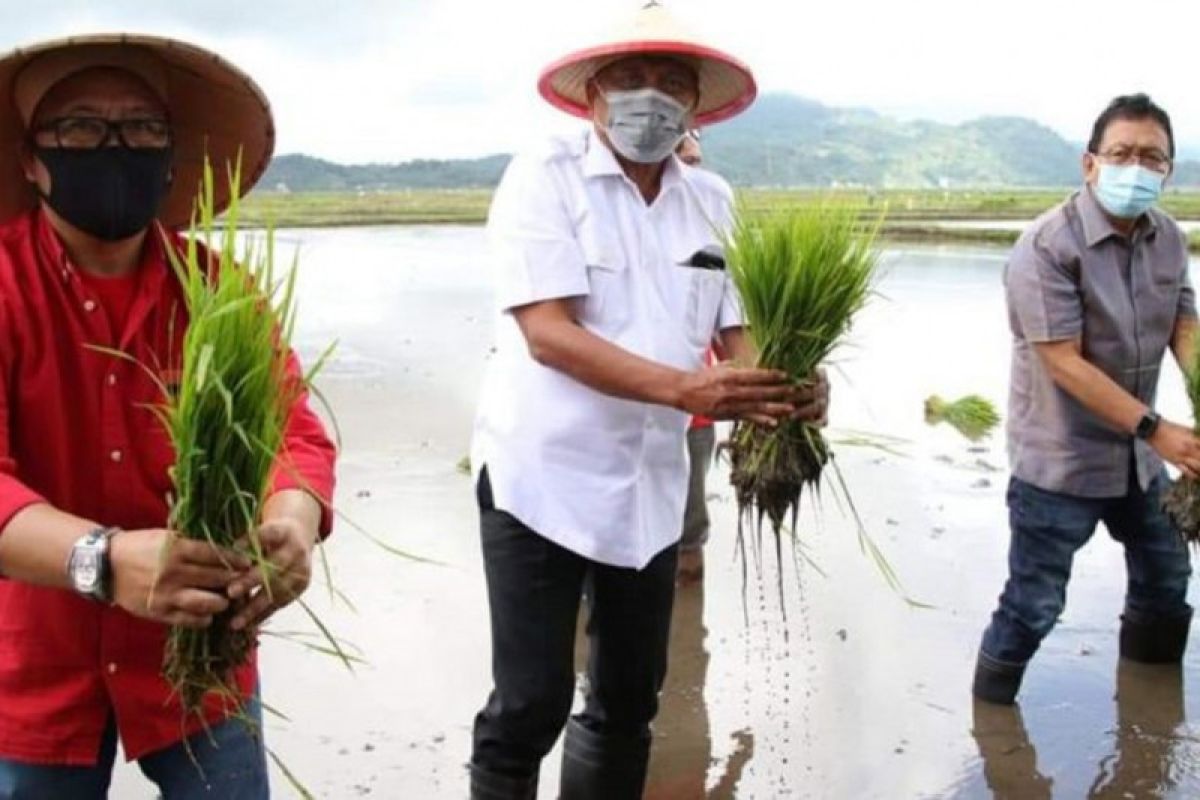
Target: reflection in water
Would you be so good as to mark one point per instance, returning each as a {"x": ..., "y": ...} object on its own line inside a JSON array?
[
  {"x": 743, "y": 754},
  {"x": 683, "y": 750},
  {"x": 1009, "y": 758},
  {"x": 1150, "y": 713}
]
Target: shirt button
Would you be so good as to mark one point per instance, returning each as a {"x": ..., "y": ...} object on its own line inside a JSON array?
[
  {"x": 116, "y": 455},
  {"x": 112, "y": 668},
  {"x": 112, "y": 379},
  {"x": 89, "y": 305}
]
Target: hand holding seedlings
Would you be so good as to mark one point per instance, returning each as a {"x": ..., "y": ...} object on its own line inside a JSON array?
[
  {"x": 813, "y": 400},
  {"x": 287, "y": 545},
  {"x": 161, "y": 576},
  {"x": 1179, "y": 446},
  {"x": 802, "y": 276},
  {"x": 723, "y": 391},
  {"x": 230, "y": 423}
]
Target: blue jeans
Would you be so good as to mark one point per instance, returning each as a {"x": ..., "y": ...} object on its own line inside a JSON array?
[
  {"x": 226, "y": 763},
  {"x": 1048, "y": 528}
]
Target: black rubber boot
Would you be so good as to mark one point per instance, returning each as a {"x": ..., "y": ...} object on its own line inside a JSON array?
[
  {"x": 996, "y": 681},
  {"x": 599, "y": 767},
  {"x": 494, "y": 786},
  {"x": 1154, "y": 640}
]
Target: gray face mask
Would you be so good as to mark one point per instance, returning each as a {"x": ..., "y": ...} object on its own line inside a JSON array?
[{"x": 644, "y": 125}]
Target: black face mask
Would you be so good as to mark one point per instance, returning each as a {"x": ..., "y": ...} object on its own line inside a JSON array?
[{"x": 111, "y": 193}]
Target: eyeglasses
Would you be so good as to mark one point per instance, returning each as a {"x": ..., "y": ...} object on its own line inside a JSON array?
[
  {"x": 92, "y": 132},
  {"x": 1152, "y": 159}
]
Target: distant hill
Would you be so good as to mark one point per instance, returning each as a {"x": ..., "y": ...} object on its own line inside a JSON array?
[
  {"x": 300, "y": 173},
  {"x": 784, "y": 140}
]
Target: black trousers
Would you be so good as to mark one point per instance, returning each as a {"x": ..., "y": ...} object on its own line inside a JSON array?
[{"x": 534, "y": 592}]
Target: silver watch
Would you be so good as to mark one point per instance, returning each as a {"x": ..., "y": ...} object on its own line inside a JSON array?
[{"x": 88, "y": 566}]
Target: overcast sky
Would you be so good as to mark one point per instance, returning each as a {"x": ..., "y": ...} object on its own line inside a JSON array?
[{"x": 390, "y": 80}]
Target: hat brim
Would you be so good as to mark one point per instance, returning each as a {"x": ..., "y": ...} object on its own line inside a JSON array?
[
  {"x": 726, "y": 85},
  {"x": 216, "y": 111}
]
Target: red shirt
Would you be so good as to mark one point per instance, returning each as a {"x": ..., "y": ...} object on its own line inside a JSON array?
[
  {"x": 115, "y": 295},
  {"x": 75, "y": 432}
]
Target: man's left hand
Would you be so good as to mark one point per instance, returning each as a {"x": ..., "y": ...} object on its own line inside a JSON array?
[{"x": 287, "y": 546}]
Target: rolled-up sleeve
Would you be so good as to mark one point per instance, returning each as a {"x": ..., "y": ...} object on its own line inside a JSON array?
[
  {"x": 730, "y": 315},
  {"x": 1043, "y": 293},
  {"x": 724, "y": 216},
  {"x": 14, "y": 494},
  {"x": 307, "y": 455},
  {"x": 534, "y": 248}
]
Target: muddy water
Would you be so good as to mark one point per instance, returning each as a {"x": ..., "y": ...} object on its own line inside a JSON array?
[{"x": 853, "y": 693}]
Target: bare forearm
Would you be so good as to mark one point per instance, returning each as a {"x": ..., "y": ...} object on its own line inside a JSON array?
[
  {"x": 294, "y": 504},
  {"x": 1183, "y": 342},
  {"x": 605, "y": 367},
  {"x": 35, "y": 544},
  {"x": 1098, "y": 393}
]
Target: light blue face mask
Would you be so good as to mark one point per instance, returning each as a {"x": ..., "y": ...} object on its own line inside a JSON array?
[{"x": 1129, "y": 191}]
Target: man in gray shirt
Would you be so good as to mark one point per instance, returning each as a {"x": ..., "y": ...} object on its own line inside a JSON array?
[{"x": 1097, "y": 290}]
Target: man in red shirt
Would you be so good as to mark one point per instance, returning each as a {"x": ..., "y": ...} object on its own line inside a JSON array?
[{"x": 101, "y": 142}]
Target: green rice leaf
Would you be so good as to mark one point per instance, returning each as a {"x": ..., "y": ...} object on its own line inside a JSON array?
[
  {"x": 973, "y": 416},
  {"x": 802, "y": 275}
]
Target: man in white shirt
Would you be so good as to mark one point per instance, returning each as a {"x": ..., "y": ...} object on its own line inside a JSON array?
[{"x": 611, "y": 285}]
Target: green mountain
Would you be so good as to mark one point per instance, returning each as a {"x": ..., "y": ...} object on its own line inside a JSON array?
[
  {"x": 300, "y": 173},
  {"x": 784, "y": 141}
]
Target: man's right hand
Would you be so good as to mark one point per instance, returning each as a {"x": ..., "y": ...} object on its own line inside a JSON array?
[
  {"x": 160, "y": 576},
  {"x": 723, "y": 391},
  {"x": 1179, "y": 446}
]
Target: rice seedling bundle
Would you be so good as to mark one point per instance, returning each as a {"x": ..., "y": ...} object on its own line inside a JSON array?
[
  {"x": 802, "y": 276},
  {"x": 226, "y": 420},
  {"x": 972, "y": 416},
  {"x": 1181, "y": 501}
]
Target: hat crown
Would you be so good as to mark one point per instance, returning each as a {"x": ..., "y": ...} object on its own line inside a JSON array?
[{"x": 653, "y": 22}]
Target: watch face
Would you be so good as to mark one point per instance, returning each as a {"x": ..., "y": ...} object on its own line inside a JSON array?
[
  {"x": 1146, "y": 425},
  {"x": 86, "y": 570}
]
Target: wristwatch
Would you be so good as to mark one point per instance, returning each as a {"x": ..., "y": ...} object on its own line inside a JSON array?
[
  {"x": 88, "y": 565},
  {"x": 1147, "y": 425}
]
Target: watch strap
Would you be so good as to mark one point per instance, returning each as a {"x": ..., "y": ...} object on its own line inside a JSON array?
[{"x": 1147, "y": 425}]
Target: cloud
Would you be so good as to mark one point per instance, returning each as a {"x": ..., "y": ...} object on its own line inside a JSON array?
[{"x": 387, "y": 80}]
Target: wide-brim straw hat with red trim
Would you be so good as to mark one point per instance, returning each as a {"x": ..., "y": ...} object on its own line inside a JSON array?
[
  {"x": 726, "y": 84},
  {"x": 215, "y": 109}
]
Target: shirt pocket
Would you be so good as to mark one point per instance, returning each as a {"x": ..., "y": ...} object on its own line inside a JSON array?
[
  {"x": 607, "y": 307},
  {"x": 706, "y": 292},
  {"x": 1158, "y": 310}
]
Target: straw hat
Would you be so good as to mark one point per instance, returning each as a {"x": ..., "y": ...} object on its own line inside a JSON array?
[
  {"x": 726, "y": 84},
  {"x": 215, "y": 110}
]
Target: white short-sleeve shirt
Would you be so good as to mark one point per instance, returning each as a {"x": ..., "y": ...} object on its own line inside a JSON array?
[{"x": 601, "y": 476}]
